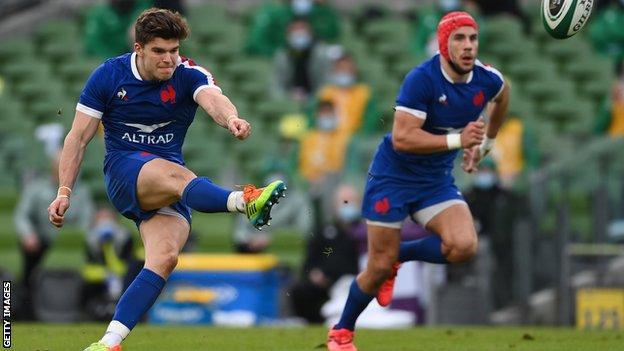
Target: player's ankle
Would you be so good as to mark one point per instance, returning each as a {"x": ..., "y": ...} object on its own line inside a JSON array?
[{"x": 235, "y": 202}]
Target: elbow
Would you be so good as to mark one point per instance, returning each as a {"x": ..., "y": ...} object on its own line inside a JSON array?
[{"x": 398, "y": 143}]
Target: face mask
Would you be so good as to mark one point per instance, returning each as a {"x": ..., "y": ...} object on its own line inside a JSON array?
[
  {"x": 449, "y": 5},
  {"x": 105, "y": 230},
  {"x": 301, "y": 7},
  {"x": 343, "y": 79},
  {"x": 485, "y": 180},
  {"x": 299, "y": 40},
  {"x": 348, "y": 213},
  {"x": 327, "y": 122}
]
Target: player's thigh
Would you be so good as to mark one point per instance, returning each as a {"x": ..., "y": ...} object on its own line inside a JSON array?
[
  {"x": 383, "y": 245},
  {"x": 163, "y": 238},
  {"x": 455, "y": 226},
  {"x": 161, "y": 183}
]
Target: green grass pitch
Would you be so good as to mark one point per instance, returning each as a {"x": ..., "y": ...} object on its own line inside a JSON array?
[{"x": 44, "y": 337}]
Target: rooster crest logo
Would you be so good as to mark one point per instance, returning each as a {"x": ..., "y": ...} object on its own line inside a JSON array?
[
  {"x": 443, "y": 100},
  {"x": 122, "y": 94},
  {"x": 382, "y": 206}
]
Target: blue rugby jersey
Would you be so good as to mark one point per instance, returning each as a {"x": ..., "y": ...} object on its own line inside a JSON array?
[
  {"x": 138, "y": 115},
  {"x": 429, "y": 93}
]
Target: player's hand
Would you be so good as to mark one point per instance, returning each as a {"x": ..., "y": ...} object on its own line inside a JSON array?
[
  {"x": 473, "y": 134},
  {"x": 472, "y": 157},
  {"x": 240, "y": 128},
  {"x": 56, "y": 211}
]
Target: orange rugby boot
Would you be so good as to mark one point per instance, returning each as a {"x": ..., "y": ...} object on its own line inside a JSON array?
[
  {"x": 384, "y": 295},
  {"x": 340, "y": 340}
]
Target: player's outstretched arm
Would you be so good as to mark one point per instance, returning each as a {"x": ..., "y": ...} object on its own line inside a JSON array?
[
  {"x": 408, "y": 136},
  {"x": 82, "y": 131},
  {"x": 223, "y": 112}
]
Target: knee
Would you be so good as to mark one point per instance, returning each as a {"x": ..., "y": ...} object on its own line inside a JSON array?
[
  {"x": 463, "y": 249},
  {"x": 179, "y": 179},
  {"x": 164, "y": 263}
]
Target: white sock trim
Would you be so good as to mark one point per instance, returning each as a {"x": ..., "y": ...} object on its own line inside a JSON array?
[
  {"x": 235, "y": 202},
  {"x": 115, "y": 333}
]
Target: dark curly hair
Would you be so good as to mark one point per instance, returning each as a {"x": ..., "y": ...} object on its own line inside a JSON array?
[{"x": 160, "y": 23}]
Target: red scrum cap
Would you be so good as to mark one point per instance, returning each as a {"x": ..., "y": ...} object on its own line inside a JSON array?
[{"x": 449, "y": 23}]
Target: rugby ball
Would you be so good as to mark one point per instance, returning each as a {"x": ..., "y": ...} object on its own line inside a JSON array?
[{"x": 564, "y": 18}]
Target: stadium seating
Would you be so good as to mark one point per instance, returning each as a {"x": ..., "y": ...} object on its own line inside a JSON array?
[{"x": 533, "y": 63}]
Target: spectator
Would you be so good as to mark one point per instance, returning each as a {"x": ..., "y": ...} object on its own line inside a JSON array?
[
  {"x": 611, "y": 117},
  {"x": 330, "y": 253},
  {"x": 33, "y": 227},
  {"x": 300, "y": 67},
  {"x": 323, "y": 148},
  {"x": 108, "y": 27},
  {"x": 495, "y": 211},
  {"x": 515, "y": 150},
  {"x": 352, "y": 99},
  {"x": 268, "y": 25},
  {"x": 110, "y": 250},
  {"x": 605, "y": 30}
]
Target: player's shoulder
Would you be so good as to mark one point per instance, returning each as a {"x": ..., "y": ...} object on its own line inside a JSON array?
[
  {"x": 118, "y": 62},
  {"x": 114, "y": 65},
  {"x": 423, "y": 72},
  {"x": 487, "y": 70},
  {"x": 187, "y": 64}
]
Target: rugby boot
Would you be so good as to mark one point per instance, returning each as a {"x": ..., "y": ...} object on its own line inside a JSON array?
[
  {"x": 259, "y": 201},
  {"x": 340, "y": 340},
  {"x": 384, "y": 295},
  {"x": 100, "y": 346}
]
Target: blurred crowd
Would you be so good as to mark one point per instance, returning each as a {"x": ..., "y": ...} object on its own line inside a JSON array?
[{"x": 324, "y": 148}]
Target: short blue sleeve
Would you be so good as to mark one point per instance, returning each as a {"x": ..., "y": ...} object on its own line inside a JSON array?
[
  {"x": 95, "y": 93},
  {"x": 197, "y": 77},
  {"x": 494, "y": 81},
  {"x": 416, "y": 93}
]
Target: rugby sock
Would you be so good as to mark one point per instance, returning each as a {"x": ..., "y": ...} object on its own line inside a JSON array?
[
  {"x": 356, "y": 303},
  {"x": 235, "y": 202},
  {"x": 137, "y": 299},
  {"x": 115, "y": 333},
  {"x": 427, "y": 249},
  {"x": 204, "y": 196}
]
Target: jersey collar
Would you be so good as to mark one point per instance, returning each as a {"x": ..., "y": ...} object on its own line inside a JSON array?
[
  {"x": 448, "y": 78},
  {"x": 133, "y": 65}
]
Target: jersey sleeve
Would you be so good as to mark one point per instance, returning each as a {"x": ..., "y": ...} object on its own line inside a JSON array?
[
  {"x": 415, "y": 94},
  {"x": 94, "y": 95},
  {"x": 496, "y": 82},
  {"x": 198, "y": 78}
]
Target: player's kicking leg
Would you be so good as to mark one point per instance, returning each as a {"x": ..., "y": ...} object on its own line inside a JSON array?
[
  {"x": 162, "y": 182},
  {"x": 456, "y": 242},
  {"x": 383, "y": 246}
]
